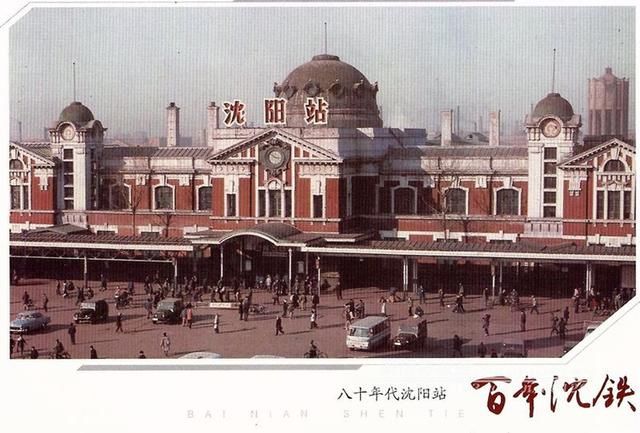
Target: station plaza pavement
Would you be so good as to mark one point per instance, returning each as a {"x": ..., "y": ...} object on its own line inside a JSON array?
[{"x": 244, "y": 339}]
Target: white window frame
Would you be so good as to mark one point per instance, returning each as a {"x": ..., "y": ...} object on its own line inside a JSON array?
[
  {"x": 318, "y": 186},
  {"x": 122, "y": 184},
  {"x": 198, "y": 198},
  {"x": 173, "y": 197},
  {"x": 495, "y": 199},
  {"x": 466, "y": 204},
  {"x": 17, "y": 181},
  {"x": 415, "y": 198}
]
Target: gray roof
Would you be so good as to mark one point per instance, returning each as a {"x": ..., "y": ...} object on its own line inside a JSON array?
[
  {"x": 158, "y": 152},
  {"x": 468, "y": 151},
  {"x": 42, "y": 149}
]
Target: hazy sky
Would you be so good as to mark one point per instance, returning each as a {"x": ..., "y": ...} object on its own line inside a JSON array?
[{"x": 131, "y": 62}]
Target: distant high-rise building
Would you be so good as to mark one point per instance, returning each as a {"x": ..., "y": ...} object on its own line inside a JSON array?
[{"x": 609, "y": 105}]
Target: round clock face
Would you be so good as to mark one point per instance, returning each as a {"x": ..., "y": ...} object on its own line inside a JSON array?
[
  {"x": 275, "y": 157},
  {"x": 551, "y": 128},
  {"x": 68, "y": 133}
]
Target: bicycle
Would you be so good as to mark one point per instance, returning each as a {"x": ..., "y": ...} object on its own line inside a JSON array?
[{"x": 319, "y": 354}]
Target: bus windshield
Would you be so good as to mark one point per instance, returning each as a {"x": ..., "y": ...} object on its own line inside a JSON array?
[{"x": 359, "y": 332}]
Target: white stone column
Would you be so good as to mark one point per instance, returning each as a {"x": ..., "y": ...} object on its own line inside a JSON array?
[
  {"x": 221, "y": 261},
  {"x": 588, "y": 280},
  {"x": 81, "y": 178},
  {"x": 290, "y": 254},
  {"x": 405, "y": 275},
  {"x": 414, "y": 275}
]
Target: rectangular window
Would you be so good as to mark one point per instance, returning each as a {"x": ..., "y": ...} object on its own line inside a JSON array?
[
  {"x": 549, "y": 211},
  {"x": 613, "y": 205},
  {"x": 275, "y": 203},
  {"x": 600, "y": 205},
  {"x": 626, "y": 211},
  {"x": 68, "y": 192},
  {"x": 67, "y": 154},
  {"x": 262, "y": 203},
  {"x": 550, "y": 197},
  {"x": 150, "y": 234},
  {"x": 549, "y": 168},
  {"x": 318, "y": 205},
  {"x": 68, "y": 179},
  {"x": 67, "y": 166},
  {"x": 68, "y": 204},
  {"x": 287, "y": 203},
  {"x": 549, "y": 182},
  {"x": 231, "y": 205},
  {"x": 25, "y": 197},
  {"x": 550, "y": 153},
  {"x": 15, "y": 197}
]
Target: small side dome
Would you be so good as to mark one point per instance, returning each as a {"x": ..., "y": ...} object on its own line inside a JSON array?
[
  {"x": 76, "y": 113},
  {"x": 553, "y": 105}
]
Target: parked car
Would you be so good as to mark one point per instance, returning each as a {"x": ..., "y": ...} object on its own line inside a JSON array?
[
  {"x": 92, "y": 312},
  {"x": 168, "y": 311},
  {"x": 411, "y": 336},
  {"x": 514, "y": 348},
  {"x": 201, "y": 355},
  {"x": 28, "y": 321},
  {"x": 590, "y": 326},
  {"x": 568, "y": 345}
]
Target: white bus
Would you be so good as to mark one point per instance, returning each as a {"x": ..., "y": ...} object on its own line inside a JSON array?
[{"x": 369, "y": 333}]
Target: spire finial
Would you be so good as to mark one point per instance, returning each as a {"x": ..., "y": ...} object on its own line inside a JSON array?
[
  {"x": 325, "y": 38},
  {"x": 553, "y": 77},
  {"x": 74, "y": 81}
]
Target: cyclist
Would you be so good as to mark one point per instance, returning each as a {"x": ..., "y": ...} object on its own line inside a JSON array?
[{"x": 313, "y": 350}]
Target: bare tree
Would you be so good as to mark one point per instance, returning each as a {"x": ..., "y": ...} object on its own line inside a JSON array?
[{"x": 165, "y": 219}]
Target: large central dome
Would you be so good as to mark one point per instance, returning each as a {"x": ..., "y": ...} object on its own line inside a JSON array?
[{"x": 351, "y": 97}]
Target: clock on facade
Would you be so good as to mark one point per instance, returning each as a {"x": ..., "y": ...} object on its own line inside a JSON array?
[
  {"x": 68, "y": 133},
  {"x": 551, "y": 128}
]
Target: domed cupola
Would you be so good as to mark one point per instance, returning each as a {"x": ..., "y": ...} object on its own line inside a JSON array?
[
  {"x": 76, "y": 113},
  {"x": 349, "y": 94},
  {"x": 553, "y": 105}
]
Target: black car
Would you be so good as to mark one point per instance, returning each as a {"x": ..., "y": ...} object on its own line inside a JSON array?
[
  {"x": 411, "y": 336},
  {"x": 92, "y": 312},
  {"x": 168, "y": 311}
]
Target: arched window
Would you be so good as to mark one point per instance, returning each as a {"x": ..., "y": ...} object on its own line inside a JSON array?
[
  {"x": 614, "y": 165},
  {"x": 164, "y": 197},
  {"x": 204, "y": 198},
  {"x": 507, "y": 202},
  {"x": 404, "y": 201},
  {"x": 16, "y": 164},
  {"x": 119, "y": 196},
  {"x": 456, "y": 201}
]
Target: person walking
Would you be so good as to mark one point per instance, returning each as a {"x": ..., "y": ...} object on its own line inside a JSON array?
[
  {"x": 315, "y": 301},
  {"x": 20, "y": 344},
  {"x": 165, "y": 344},
  {"x": 338, "y": 291},
  {"x": 279, "y": 329},
  {"x": 457, "y": 346},
  {"x": 285, "y": 307},
  {"x": 562, "y": 328},
  {"x": 45, "y": 303},
  {"x": 565, "y": 315},
  {"x": 523, "y": 320},
  {"x": 33, "y": 354},
  {"x": 534, "y": 305},
  {"x": 410, "y": 304},
  {"x": 216, "y": 323},
  {"x": 554, "y": 325},
  {"x": 383, "y": 308},
  {"x": 72, "y": 333},
  {"x": 441, "y": 297},
  {"x": 313, "y": 323},
  {"x": 486, "y": 320},
  {"x": 482, "y": 350},
  {"x": 119, "y": 323},
  {"x": 189, "y": 316},
  {"x": 93, "y": 354},
  {"x": 422, "y": 293}
]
